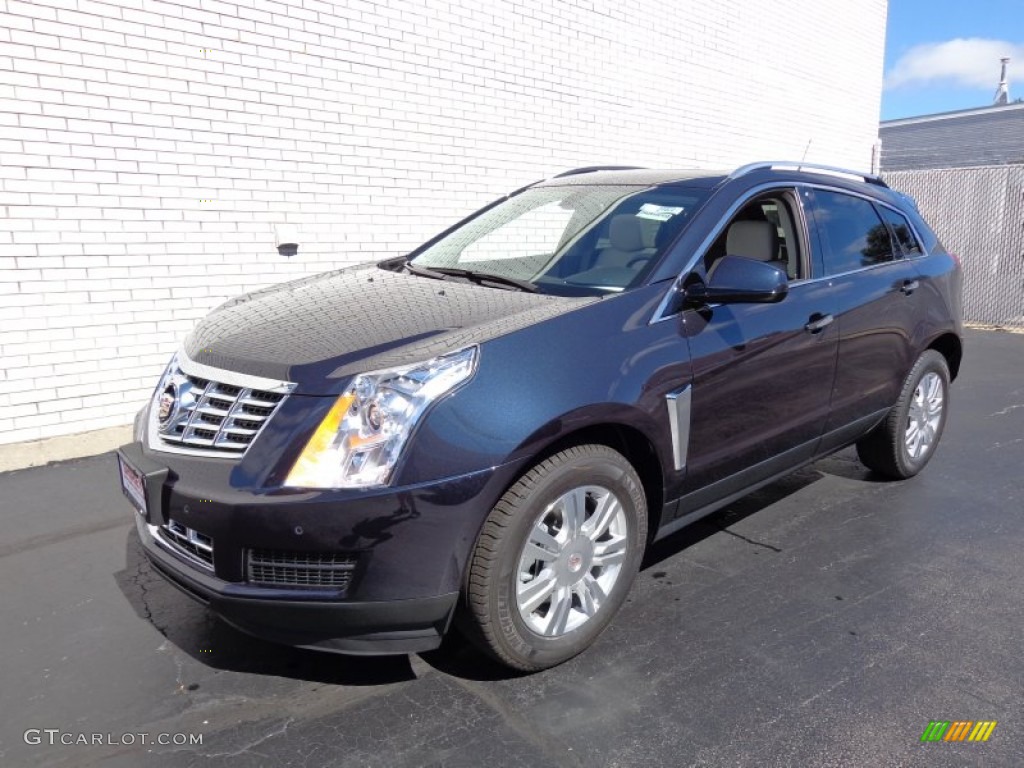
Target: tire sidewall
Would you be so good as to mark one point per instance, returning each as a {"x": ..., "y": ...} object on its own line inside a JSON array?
[{"x": 611, "y": 471}]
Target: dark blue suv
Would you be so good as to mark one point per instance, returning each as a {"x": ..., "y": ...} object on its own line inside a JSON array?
[{"x": 491, "y": 430}]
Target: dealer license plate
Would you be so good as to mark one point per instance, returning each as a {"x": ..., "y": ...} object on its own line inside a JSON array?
[{"x": 133, "y": 483}]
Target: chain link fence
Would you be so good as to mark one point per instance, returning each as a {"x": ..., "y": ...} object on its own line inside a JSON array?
[{"x": 978, "y": 213}]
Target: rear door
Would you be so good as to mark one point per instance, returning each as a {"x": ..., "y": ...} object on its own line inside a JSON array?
[{"x": 877, "y": 294}]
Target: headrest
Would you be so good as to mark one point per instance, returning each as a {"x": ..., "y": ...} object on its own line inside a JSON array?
[
  {"x": 625, "y": 233},
  {"x": 753, "y": 239}
]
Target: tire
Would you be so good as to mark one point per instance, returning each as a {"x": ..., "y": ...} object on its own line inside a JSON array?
[
  {"x": 580, "y": 565},
  {"x": 904, "y": 443}
]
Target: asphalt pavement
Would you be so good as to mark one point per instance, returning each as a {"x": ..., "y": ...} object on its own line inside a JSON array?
[{"x": 823, "y": 621}]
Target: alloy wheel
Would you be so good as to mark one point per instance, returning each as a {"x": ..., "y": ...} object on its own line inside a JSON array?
[
  {"x": 571, "y": 560},
  {"x": 924, "y": 415}
]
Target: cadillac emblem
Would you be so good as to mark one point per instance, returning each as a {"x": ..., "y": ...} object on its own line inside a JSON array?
[{"x": 167, "y": 404}]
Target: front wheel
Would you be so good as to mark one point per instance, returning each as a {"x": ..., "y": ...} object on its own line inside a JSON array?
[
  {"x": 556, "y": 558},
  {"x": 903, "y": 444}
]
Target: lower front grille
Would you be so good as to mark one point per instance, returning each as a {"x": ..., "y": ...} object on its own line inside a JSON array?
[
  {"x": 322, "y": 570},
  {"x": 196, "y": 547}
]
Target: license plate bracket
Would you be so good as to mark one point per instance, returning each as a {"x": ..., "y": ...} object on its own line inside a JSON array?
[{"x": 133, "y": 485}]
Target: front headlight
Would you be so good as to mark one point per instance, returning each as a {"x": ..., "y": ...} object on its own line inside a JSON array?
[{"x": 360, "y": 440}]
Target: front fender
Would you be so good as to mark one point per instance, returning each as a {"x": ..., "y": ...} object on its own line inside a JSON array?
[{"x": 602, "y": 364}]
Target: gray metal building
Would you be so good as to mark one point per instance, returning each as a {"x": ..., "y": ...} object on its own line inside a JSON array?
[{"x": 971, "y": 137}]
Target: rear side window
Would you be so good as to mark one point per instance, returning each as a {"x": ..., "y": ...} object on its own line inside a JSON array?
[
  {"x": 902, "y": 231},
  {"x": 854, "y": 234}
]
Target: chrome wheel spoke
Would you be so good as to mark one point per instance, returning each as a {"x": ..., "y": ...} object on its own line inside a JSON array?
[
  {"x": 541, "y": 545},
  {"x": 607, "y": 510},
  {"x": 558, "y": 613},
  {"x": 591, "y": 595},
  {"x": 532, "y": 594},
  {"x": 611, "y": 552},
  {"x": 574, "y": 510},
  {"x": 916, "y": 411}
]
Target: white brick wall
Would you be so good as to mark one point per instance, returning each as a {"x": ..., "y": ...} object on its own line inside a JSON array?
[{"x": 148, "y": 149}]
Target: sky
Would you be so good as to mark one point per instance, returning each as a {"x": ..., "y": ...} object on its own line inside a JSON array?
[{"x": 943, "y": 55}]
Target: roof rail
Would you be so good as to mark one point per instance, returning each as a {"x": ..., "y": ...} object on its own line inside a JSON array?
[
  {"x": 870, "y": 178},
  {"x": 593, "y": 168}
]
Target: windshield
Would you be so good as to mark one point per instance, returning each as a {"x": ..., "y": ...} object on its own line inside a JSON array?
[{"x": 570, "y": 241}]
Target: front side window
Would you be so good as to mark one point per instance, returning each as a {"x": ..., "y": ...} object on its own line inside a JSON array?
[
  {"x": 903, "y": 233},
  {"x": 765, "y": 229},
  {"x": 854, "y": 235},
  {"x": 572, "y": 240}
]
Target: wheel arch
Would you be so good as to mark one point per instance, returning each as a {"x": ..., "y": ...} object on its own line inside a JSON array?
[
  {"x": 636, "y": 446},
  {"x": 950, "y": 347}
]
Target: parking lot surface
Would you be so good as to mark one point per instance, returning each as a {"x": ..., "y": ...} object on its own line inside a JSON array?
[{"x": 823, "y": 621}]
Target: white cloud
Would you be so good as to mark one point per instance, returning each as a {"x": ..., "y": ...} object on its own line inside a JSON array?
[{"x": 968, "y": 62}]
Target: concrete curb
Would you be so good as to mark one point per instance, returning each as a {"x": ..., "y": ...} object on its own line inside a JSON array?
[{"x": 40, "y": 452}]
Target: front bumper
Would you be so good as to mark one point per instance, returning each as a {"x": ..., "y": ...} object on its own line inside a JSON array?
[{"x": 408, "y": 548}]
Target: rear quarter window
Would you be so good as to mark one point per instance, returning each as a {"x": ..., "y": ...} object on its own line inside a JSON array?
[
  {"x": 902, "y": 231},
  {"x": 931, "y": 243}
]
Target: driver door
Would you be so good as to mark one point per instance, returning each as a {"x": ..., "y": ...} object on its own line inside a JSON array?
[{"x": 762, "y": 373}]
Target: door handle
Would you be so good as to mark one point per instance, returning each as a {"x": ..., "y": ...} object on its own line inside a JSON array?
[
  {"x": 909, "y": 286},
  {"x": 818, "y": 323}
]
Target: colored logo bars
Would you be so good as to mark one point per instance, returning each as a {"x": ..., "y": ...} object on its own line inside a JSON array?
[{"x": 958, "y": 730}]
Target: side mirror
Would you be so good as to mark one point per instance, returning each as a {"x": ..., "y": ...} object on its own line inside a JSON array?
[{"x": 738, "y": 280}]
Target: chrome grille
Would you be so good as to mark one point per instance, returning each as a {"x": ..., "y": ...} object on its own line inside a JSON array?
[
  {"x": 209, "y": 411},
  {"x": 326, "y": 570},
  {"x": 195, "y": 546}
]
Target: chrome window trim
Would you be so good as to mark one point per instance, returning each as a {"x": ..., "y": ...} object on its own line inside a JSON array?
[
  {"x": 877, "y": 202},
  {"x": 658, "y": 315},
  {"x": 220, "y": 376}
]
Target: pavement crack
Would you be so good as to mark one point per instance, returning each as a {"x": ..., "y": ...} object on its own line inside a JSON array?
[
  {"x": 695, "y": 564},
  {"x": 247, "y": 748},
  {"x": 997, "y": 446},
  {"x": 139, "y": 579},
  {"x": 1006, "y": 410},
  {"x": 749, "y": 540}
]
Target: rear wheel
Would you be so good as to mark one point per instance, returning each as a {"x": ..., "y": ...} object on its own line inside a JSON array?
[
  {"x": 902, "y": 445},
  {"x": 556, "y": 558}
]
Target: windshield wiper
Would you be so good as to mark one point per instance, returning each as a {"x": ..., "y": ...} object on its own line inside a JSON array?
[
  {"x": 486, "y": 277},
  {"x": 443, "y": 273},
  {"x": 423, "y": 271}
]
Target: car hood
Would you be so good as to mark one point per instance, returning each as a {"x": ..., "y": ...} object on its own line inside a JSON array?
[{"x": 320, "y": 330}]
